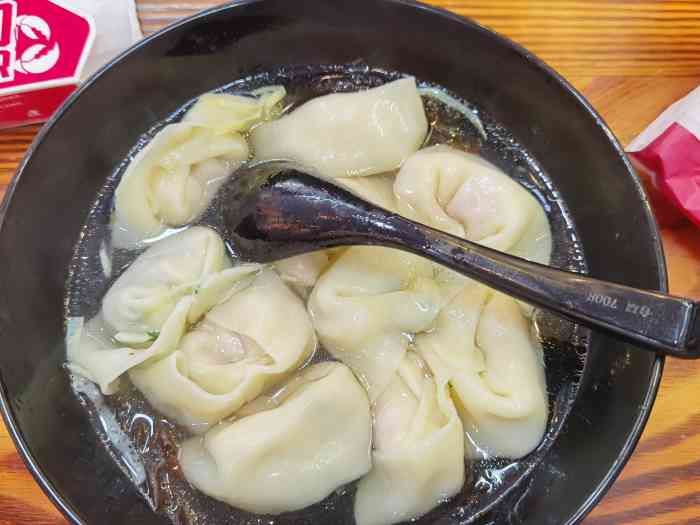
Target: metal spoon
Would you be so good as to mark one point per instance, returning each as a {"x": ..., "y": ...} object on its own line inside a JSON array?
[{"x": 275, "y": 210}]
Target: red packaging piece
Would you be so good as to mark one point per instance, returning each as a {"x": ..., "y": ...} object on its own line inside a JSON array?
[
  {"x": 667, "y": 155},
  {"x": 43, "y": 47},
  {"x": 667, "y": 214}
]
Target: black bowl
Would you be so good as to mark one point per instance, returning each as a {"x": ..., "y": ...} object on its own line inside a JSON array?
[{"x": 89, "y": 137}]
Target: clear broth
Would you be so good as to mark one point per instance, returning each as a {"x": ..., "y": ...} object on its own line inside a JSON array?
[{"x": 145, "y": 444}]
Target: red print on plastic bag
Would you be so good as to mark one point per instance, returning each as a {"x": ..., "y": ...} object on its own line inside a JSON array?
[
  {"x": 37, "y": 50},
  {"x": 42, "y": 42},
  {"x": 43, "y": 47}
]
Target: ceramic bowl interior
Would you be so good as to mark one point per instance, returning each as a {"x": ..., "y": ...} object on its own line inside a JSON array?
[{"x": 45, "y": 208}]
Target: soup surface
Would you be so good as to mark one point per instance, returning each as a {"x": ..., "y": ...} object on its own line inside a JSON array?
[{"x": 361, "y": 385}]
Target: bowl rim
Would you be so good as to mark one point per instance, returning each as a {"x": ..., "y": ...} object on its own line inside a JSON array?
[{"x": 634, "y": 436}]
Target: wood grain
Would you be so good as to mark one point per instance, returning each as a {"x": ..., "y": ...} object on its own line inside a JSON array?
[{"x": 631, "y": 58}]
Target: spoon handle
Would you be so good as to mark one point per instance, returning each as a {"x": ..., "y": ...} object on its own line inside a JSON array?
[
  {"x": 666, "y": 323},
  {"x": 293, "y": 213}
]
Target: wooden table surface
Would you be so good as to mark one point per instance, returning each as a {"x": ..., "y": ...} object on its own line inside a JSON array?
[{"x": 631, "y": 58}]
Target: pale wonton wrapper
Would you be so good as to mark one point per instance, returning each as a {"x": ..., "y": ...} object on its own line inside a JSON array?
[
  {"x": 418, "y": 456},
  {"x": 149, "y": 307},
  {"x": 348, "y": 134},
  {"x": 302, "y": 446},
  {"x": 462, "y": 194},
  {"x": 242, "y": 347},
  {"x": 170, "y": 182},
  {"x": 495, "y": 371},
  {"x": 365, "y": 306}
]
